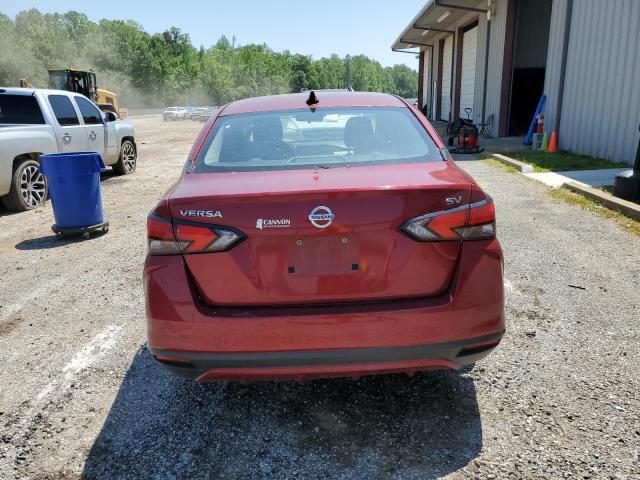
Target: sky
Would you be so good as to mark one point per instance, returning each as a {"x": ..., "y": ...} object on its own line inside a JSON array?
[{"x": 318, "y": 28}]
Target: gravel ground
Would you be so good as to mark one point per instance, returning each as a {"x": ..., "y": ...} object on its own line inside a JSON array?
[{"x": 81, "y": 396}]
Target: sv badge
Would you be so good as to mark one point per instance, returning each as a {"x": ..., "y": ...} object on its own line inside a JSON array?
[{"x": 450, "y": 201}]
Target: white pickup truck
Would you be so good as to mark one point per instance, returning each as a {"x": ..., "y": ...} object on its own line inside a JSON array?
[{"x": 34, "y": 122}]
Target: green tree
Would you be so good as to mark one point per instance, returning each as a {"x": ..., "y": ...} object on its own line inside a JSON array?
[
  {"x": 165, "y": 68},
  {"x": 300, "y": 72}
]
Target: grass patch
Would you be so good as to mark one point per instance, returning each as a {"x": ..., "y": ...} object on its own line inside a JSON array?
[
  {"x": 629, "y": 224},
  {"x": 557, "y": 162},
  {"x": 494, "y": 163}
]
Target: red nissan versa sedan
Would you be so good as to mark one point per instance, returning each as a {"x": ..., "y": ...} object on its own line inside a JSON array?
[{"x": 321, "y": 235}]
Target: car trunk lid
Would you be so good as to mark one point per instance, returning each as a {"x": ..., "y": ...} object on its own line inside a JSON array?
[{"x": 321, "y": 235}]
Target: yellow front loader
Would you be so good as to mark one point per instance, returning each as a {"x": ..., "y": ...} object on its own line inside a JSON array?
[{"x": 84, "y": 82}]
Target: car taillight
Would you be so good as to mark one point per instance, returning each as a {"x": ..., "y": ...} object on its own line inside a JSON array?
[
  {"x": 482, "y": 221},
  {"x": 160, "y": 238},
  {"x": 201, "y": 238},
  {"x": 173, "y": 238},
  {"x": 469, "y": 222}
]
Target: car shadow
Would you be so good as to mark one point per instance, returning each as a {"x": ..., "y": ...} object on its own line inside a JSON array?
[
  {"x": 159, "y": 425},
  {"x": 6, "y": 213},
  {"x": 109, "y": 176}
]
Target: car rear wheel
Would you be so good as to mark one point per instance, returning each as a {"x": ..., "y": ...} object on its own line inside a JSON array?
[
  {"x": 128, "y": 159},
  {"x": 28, "y": 187}
]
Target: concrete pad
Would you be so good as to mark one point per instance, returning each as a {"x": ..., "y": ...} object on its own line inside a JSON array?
[
  {"x": 595, "y": 178},
  {"x": 551, "y": 179}
]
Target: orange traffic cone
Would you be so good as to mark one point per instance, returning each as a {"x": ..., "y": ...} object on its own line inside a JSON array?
[{"x": 553, "y": 143}]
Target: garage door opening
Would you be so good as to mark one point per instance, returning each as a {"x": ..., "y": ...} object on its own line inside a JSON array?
[{"x": 531, "y": 40}]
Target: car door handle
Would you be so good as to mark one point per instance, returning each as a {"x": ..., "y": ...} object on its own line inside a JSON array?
[
  {"x": 66, "y": 139},
  {"x": 92, "y": 135}
]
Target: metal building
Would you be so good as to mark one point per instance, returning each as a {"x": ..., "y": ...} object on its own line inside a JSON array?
[{"x": 583, "y": 54}]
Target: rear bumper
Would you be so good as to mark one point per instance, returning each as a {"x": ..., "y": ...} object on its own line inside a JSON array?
[
  {"x": 205, "y": 367},
  {"x": 208, "y": 343}
]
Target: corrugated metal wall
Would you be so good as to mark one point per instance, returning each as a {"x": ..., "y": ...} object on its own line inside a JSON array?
[
  {"x": 496, "y": 57},
  {"x": 496, "y": 54},
  {"x": 434, "y": 79},
  {"x": 468, "y": 75},
  {"x": 601, "y": 107},
  {"x": 447, "y": 89},
  {"x": 426, "y": 80},
  {"x": 554, "y": 62},
  {"x": 482, "y": 41}
]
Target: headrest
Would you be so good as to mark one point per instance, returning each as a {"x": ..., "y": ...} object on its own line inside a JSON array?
[
  {"x": 357, "y": 130},
  {"x": 267, "y": 129},
  {"x": 234, "y": 143}
]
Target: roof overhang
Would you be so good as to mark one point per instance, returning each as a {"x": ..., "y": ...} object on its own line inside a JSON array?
[{"x": 435, "y": 18}]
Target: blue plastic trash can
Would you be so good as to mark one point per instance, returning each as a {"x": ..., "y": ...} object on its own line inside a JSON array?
[{"x": 74, "y": 187}]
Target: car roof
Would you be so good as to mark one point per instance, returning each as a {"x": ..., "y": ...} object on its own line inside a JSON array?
[
  {"x": 31, "y": 91},
  {"x": 326, "y": 100},
  {"x": 17, "y": 91}
]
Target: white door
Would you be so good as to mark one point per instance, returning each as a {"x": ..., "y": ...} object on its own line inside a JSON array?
[
  {"x": 111, "y": 145},
  {"x": 468, "y": 74},
  {"x": 97, "y": 132},
  {"x": 72, "y": 131},
  {"x": 447, "y": 65}
]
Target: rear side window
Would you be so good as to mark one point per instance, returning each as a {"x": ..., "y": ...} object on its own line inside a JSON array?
[
  {"x": 90, "y": 113},
  {"x": 63, "y": 110},
  {"x": 321, "y": 138},
  {"x": 20, "y": 109}
]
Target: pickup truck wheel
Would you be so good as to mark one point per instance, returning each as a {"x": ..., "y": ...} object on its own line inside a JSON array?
[
  {"x": 28, "y": 187},
  {"x": 127, "y": 161}
]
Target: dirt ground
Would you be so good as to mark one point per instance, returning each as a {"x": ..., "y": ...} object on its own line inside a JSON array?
[{"x": 82, "y": 398}]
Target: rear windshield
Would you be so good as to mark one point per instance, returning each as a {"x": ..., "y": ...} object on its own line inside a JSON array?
[
  {"x": 22, "y": 109},
  {"x": 324, "y": 138}
]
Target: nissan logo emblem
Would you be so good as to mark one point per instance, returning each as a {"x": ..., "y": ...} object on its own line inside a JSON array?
[{"x": 321, "y": 216}]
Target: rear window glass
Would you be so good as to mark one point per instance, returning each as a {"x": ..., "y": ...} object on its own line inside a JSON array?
[
  {"x": 324, "y": 138},
  {"x": 20, "y": 109},
  {"x": 63, "y": 110}
]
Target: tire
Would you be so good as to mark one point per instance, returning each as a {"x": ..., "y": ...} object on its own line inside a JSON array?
[
  {"x": 28, "y": 187},
  {"x": 128, "y": 159}
]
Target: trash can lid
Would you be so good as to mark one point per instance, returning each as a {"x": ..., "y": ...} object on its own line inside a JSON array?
[{"x": 71, "y": 164}]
